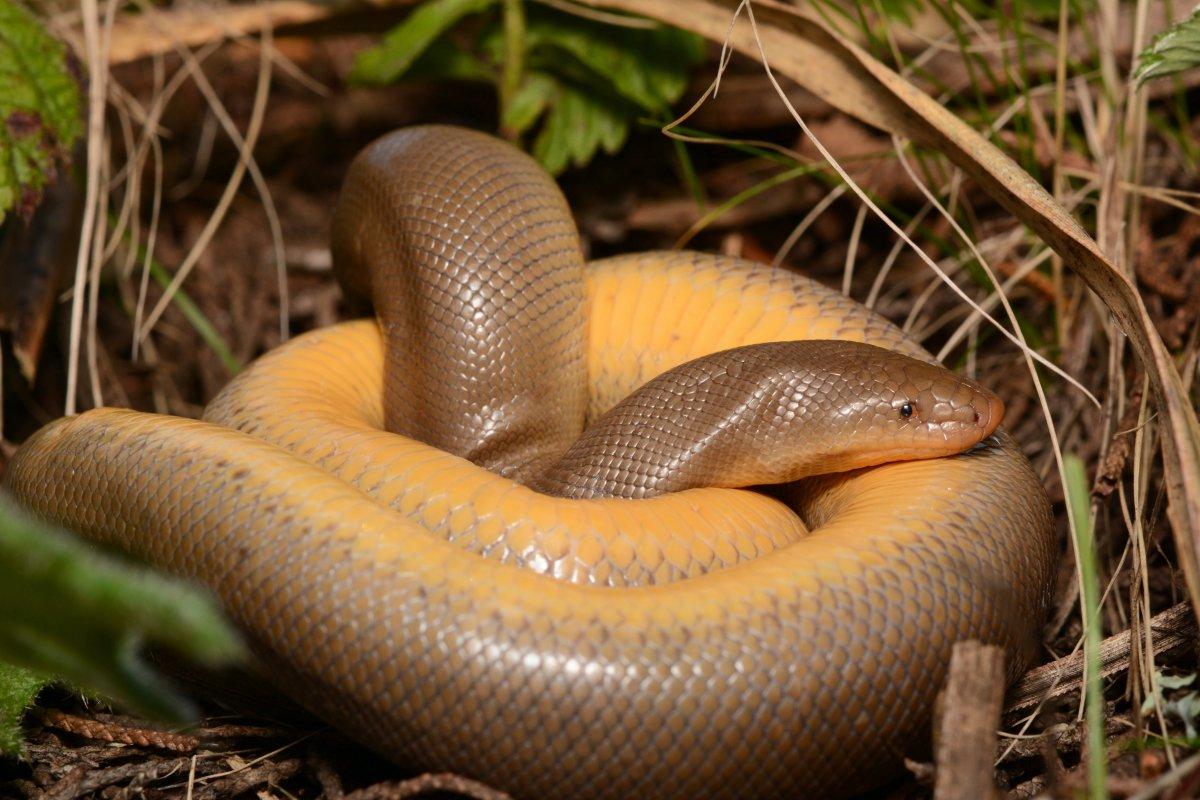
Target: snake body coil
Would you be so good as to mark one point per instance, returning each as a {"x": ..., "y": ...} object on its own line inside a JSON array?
[{"x": 702, "y": 642}]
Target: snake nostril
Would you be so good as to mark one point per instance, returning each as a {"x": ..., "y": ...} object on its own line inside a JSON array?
[{"x": 975, "y": 414}]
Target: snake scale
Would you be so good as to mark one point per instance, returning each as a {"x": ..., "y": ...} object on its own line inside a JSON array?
[{"x": 464, "y": 535}]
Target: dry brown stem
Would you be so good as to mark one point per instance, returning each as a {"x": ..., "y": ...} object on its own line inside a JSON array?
[
  {"x": 1170, "y": 629},
  {"x": 966, "y": 732},
  {"x": 104, "y": 731}
]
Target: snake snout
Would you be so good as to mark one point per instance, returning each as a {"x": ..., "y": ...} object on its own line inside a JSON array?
[
  {"x": 957, "y": 410},
  {"x": 929, "y": 411},
  {"x": 892, "y": 407}
]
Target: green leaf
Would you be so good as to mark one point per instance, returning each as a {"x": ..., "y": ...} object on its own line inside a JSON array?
[
  {"x": 1162, "y": 682},
  {"x": 18, "y": 688},
  {"x": 646, "y": 67},
  {"x": 535, "y": 93},
  {"x": 588, "y": 81},
  {"x": 550, "y": 146},
  {"x": 39, "y": 108},
  {"x": 1174, "y": 681},
  {"x": 68, "y": 610},
  {"x": 582, "y": 126},
  {"x": 1174, "y": 50},
  {"x": 577, "y": 124},
  {"x": 445, "y": 59},
  {"x": 584, "y": 81},
  {"x": 614, "y": 130},
  {"x": 403, "y": 44}
]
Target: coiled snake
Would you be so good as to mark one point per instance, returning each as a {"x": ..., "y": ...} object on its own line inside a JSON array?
[{"x": 700, "y": 642}]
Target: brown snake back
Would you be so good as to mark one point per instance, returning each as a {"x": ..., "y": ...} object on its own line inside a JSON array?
[{"x": 462, "y": 313}]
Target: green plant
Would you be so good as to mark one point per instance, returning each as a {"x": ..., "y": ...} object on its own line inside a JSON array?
[
  {"x": 39, "y": 108},
  {"x": 1185, "y": 706},
  {"x": 1077, "y": 493},
  {"x": 67, "y": 610},
  {"x": 1174, "y": 50},
  {"x": 574, "y": 85},
  {"x": 18, "y": 689}
]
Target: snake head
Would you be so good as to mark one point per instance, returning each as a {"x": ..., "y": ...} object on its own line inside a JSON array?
[
  {"x": 773, "y": 413},
  {"x": 900, "y": 408}
]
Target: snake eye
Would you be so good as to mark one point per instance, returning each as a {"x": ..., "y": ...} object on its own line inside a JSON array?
[{"x": 906, "y": 410}]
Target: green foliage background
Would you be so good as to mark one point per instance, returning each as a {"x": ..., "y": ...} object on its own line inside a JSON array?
[
  {"x": 69, "y": 611},
  {"x": 1174, "y": 50},
  {"x": 39, "y": 108},
  {"x": 581, "y": 85}
]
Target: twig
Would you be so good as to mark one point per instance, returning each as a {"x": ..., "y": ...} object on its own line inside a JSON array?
[
  {"x": 1120, "y": 446},
  {"x": 84, "y": 780},
  {"x": 1176, "y": 626},
  {"x": 1062, "y": 739},
  {"x": 966, "y": 742},
  {"x": 244, "y": 732},
  {"x": 242, "y": 781},
  {"x": 103, "y": 731}
]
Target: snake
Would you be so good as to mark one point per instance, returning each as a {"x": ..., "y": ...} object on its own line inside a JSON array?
[{"x": 662, "y": 525}]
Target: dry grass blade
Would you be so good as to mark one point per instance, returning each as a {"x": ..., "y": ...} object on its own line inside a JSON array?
[
  {"x": 245, "y": 146},
  {"x": 95, "y": 58},
  {"x": 159, "y": 30},
  {"x": 809, "y": 52}
]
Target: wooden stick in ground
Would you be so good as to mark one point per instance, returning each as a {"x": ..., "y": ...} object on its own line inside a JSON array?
[
  {"x": 1169, "y": 629},
  {"x": 965, "y": 741}
]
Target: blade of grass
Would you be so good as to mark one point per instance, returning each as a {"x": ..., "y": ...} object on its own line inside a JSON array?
[
  {"x": 743, "y": 196},
  {"x": 197, "y": 319},
  {"x": 191, "y": 312},
  {"x": 1079, "y": 499},
  {"x": 688, "y": 174},
  {"x": 95, "y": 134}
]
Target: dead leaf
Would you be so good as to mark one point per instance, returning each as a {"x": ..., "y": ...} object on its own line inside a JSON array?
[{"x": 33, "y": 262}]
